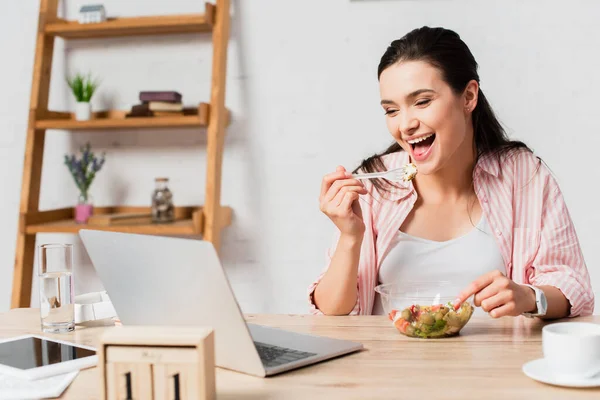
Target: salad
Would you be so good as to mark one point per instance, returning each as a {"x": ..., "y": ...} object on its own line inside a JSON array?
[{"x": 431, "y": 321}]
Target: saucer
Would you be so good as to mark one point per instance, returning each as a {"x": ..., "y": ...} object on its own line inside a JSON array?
[{"x": 538, "y": 370}]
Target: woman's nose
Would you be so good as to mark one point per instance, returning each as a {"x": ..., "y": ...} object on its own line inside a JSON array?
[{"x": 407, "y": 124}]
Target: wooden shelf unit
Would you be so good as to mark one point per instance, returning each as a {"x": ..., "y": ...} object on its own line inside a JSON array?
[
  {"x": 134, "y": 26},
  {"x": 188, "y": 221},
  {"x": 207, "y": 220},
  {"x": 116, "y": 119}
]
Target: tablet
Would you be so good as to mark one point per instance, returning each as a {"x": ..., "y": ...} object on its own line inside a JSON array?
[{"x": 34, "y": 357}]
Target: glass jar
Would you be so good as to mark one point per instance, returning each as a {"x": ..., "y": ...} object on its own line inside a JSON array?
[{"x": 162, "y": 202}]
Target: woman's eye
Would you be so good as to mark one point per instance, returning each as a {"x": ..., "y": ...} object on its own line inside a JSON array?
[
  {"x": 423, "y": 102},
  {"x": 390, "y": 111}
]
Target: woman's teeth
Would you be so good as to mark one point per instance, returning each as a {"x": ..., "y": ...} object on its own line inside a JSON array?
[{"x": 417, "y": 140}]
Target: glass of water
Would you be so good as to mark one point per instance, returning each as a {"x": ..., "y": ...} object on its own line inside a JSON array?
[{"x": 55, "y": 269}]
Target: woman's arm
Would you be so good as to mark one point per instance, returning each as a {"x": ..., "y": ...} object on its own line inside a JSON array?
[
  {"x": 501, "y": 296},
  {"x": 559, "y": 268},
  {"x": 336, "y": 293}
]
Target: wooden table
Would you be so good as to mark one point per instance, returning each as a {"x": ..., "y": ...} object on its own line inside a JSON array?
[{"x": 484, "y": 362}]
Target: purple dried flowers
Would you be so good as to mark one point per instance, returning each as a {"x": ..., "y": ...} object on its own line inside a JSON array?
[{"x": 84, "y": 170}]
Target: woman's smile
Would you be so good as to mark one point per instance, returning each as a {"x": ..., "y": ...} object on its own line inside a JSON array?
[{"x": 422, "y": 146}]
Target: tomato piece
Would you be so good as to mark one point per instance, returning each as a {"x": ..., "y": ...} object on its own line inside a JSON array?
[
  {"x": 401, "y": 325},
  {"x": 392, "y": 314},
  {"x": 405, "y": 325}
]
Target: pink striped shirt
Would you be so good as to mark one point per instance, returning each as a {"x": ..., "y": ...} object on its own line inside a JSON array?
[{"x": 525, "y": 209}]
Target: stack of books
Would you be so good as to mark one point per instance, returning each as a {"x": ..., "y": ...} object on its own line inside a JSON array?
[{"x": 158, "y": 104}]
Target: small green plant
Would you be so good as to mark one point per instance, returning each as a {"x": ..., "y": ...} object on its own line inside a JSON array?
[{"x": 83, "y": 87}]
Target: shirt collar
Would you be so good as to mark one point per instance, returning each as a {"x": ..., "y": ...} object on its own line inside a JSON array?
[{"x": 490, "y": 164}]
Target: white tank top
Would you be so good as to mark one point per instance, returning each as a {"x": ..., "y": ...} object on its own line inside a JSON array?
[{"x": 460, "y": 260}]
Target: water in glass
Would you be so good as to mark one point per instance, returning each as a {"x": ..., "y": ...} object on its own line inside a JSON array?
[
  {"x": 56, "y": 302},
  {"x": 55, "y": 272}
]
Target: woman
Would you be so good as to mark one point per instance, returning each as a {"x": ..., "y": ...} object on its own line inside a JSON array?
[{"x": 482, "y": 210}]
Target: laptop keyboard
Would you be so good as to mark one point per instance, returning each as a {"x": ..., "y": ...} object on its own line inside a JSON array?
[{"x": 274, "y": 356}]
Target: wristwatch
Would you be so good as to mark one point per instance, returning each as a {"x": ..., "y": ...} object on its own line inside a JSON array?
[{"x": 540, "y": 302}]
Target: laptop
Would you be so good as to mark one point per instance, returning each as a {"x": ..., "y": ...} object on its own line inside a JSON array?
[{"x": 157, "y": 280}]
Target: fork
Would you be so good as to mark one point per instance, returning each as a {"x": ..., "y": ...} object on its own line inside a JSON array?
[{"x": 402, "y": 174}]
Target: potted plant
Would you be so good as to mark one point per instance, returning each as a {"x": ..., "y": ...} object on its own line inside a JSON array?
[
  {"x": 84, "y": 171},
  {"x": 83, "y": 88}
]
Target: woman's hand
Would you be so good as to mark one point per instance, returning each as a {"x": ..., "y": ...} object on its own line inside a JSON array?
[
  {"x": 339, "y": 201},
  {"x": 498, "y": 295}
]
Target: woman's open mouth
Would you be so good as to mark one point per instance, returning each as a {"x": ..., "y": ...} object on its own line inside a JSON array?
[{"x": 421, "y": 146}]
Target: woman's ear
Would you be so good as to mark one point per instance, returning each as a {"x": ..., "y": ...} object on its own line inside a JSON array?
[{"x": 471, "y": 95}]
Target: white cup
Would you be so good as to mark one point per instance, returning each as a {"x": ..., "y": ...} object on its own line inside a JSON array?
[{"x": 572, "y": 349}]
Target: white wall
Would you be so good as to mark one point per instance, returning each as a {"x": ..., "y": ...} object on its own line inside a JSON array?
[{"x": 302, "y": 87}]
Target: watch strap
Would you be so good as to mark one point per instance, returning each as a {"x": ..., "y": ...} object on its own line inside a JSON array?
[{"x": 538, "y": 293}]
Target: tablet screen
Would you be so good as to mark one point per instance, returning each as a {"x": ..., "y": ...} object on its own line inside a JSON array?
[{"x": 34, "y": 352}]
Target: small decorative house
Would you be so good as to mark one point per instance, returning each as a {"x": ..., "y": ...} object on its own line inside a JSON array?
[{"x": 92, "y": 13}]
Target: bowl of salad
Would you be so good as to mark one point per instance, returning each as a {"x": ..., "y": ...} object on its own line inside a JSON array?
[{"x": 424, "y": 309}]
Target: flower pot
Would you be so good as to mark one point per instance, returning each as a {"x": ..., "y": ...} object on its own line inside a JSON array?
[
  {"x": 83, "y": 111},
  {"x": 83, "y": 210}
]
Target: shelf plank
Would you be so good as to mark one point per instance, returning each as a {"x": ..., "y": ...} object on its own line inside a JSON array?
[
  {"x": 116, "y": 119},
  {"x": 123, "y": 123},
  {"x": 134, "y": 26},
  {"x": 61, "y": 221},
  {"x": 181, "y": 227}
]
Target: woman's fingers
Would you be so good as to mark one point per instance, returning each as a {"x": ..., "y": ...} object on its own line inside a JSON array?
[
  {"x": 340, "y": 184},
  {"x": 339, "y": 192},
  {"x": 340, "y": 173},
  {"x": 489, "y": 291},
  {"x": 505, "y": 310},
  {"x": 476, "y": 286},
  {"x": 349, "y": 198},
  {"x": 498, "y": 300},
  {"x": 500, "y": 284},
  {"x": 329, "y": 179},
  {"x": 337, "y": 200}
]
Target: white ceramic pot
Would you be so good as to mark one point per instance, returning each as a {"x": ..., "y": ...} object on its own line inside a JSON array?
[{"x": 83, "y": 111}]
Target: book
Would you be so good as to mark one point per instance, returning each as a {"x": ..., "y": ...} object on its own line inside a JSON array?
[
  {"x": 167, "y": 113},
  {"x": 173, "y": 109},
  {"x": 167, "y": 96},
  {"x": 140, "y": 110},
  {"x": 120, "y": 219},
  {"x": 164, "y": 106}
]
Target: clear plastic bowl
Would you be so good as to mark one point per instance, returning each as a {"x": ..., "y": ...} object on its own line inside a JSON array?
[{"x": 424, "y": 309}]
